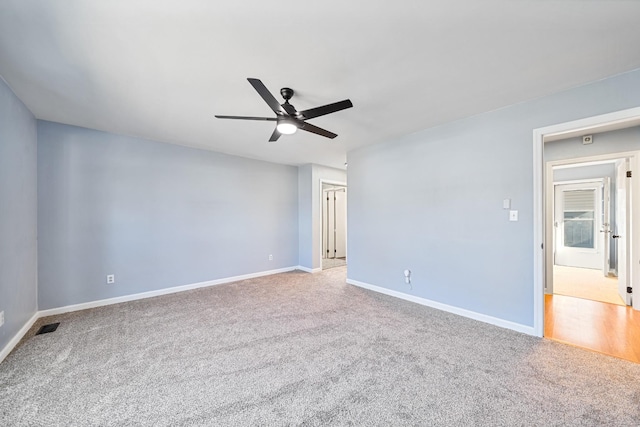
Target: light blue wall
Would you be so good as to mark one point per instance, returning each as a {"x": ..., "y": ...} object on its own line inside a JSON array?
[
  {"x": 617, "y": 141},
  {"x": 432, "y": 202},
  {"x": 305, "y": 231},
  {"x": 18, "y": 214},
  {"x": 156, "y": 215}
]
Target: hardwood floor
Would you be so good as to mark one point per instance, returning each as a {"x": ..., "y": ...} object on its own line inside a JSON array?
[
  {"x": 606, "y": 328},
  {"x": 585, "y": 283}
]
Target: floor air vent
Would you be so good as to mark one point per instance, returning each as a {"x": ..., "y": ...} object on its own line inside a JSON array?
[{"x": 48, "y": 328}]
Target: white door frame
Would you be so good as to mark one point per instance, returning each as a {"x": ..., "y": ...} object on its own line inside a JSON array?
[
  {"x": 540, "y": 250},
  {"x": 606, "y": 225},
  {"x": 329, "y": 182},
  {"x": 624, "y": 221}
]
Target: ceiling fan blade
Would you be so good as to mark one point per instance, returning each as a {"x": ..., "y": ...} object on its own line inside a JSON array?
[
  {"x": 275, "y": 135},
  {"x": 266, "y": 95},
  {"x": 326, "y": 109},
  {"x": 315, "y": 129},
  {"x": 266, "y": 119}
]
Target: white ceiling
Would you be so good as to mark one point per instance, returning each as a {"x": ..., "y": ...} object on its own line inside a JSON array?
[{"x": 161, "y": 69}]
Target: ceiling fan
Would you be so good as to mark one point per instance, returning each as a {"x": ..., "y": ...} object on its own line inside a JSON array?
[{"x": 287, "y": 117}]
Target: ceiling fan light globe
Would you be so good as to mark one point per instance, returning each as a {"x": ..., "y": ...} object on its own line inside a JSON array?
[{"x": 287, "y": 128}]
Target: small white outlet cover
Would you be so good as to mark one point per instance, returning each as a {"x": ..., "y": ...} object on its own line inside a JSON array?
[
  {"x": 407, "y": 276},
  {"x": 1, "y": 318},
  {"x": 513, "y": 215},
  {"x": 270, "y": 257},
  {"x": 111, "y": 278},
  {"x": 506, "y": 204}
]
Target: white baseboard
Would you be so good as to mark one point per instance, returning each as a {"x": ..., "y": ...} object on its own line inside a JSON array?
[
  {"x": 109, "y": 301},
  {"x": 449, "y": 308},
  {"x": 17, "y": 337},
  {"x": 159, "y": 292},
  {"x": 309, "y": 270}
]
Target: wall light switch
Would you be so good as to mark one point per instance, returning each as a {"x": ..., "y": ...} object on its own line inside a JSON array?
[
  {"x": 513, "y": 215},
  {"x": 506, "y": 204}
]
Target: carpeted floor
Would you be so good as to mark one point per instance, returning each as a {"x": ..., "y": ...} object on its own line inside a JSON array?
[{"x": 303, "y": 349}]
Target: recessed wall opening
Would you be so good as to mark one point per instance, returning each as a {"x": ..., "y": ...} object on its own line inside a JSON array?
[
  {"x": 334, "y": 225},
  {"x": 586, "y": 251}
]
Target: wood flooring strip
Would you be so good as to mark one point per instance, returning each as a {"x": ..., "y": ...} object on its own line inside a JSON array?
[{"x": 606, "y": 328}]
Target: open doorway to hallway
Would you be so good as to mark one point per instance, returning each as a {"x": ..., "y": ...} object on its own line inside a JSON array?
[
  {"x": 588, "y": 222},
  {"x": 587, "y": 211},
  {"x": 334, "y": 225}
]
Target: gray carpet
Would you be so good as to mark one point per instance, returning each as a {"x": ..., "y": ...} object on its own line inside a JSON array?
[{"x": 303, "y": 349}]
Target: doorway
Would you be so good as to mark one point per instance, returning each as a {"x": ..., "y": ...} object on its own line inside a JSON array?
[
  {"x": 542, "y": 254},
  {"x": 587, "y": 291},
  {"x": 584, "y": 247},
  {"x": 609, "y": 328},
  {"x": 334, "y": 225},
  {"x": 588, "y": 220}
]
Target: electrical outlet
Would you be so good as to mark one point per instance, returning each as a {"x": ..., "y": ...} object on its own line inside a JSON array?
[
  {"x": 270, "y": 257},
  {"x": 1, "y": 318},
  {"x": 111, "y": 278}
]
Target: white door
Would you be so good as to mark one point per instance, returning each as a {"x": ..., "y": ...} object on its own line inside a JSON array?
[
  {"x": 334, "y": 224},
  {"x": 325, "y": 225},
  {"x": 606, "y": 225},
  {"x": 578, "y": 221},
  {"x": 331, "y": 225},
  {"x": 328, "y": 224},
  {"x": 340, "y": 204},
  {"x": 623, "y": 218}
]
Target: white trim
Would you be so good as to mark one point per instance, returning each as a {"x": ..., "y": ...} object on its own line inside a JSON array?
[
  {"x": 599, "y": 181},
  {"x": 592, "y": 123},
  {"x": 309, "y": 270},
  {"x": 563, "y": 166},
  {"x": 143, "y": 295},
  {"x": 159, "y": 292},
  {"x": 634, "y": 165},
  {"x": 591, "y": 160},
  {"x": 17, "y": 337},
  {"x": 586, "y": 124},
  {"x": 448, "y": 308}
]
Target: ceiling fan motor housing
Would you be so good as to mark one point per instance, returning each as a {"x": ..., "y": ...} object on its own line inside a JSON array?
[{"x": 286, "y": 93}]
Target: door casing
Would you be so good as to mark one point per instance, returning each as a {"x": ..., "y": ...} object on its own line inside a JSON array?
[{"x": 623, "y": 228}]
